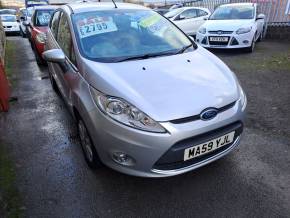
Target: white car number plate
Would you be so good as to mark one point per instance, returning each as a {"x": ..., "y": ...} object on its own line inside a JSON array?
[
  {"x": 209, "y": 146},
  {"x": 218, "y": 39}
]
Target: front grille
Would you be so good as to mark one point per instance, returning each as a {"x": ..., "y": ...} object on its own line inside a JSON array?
[
  {"x": 7, "y": 26},
  {"x": 173, "y": 158},
  {"x": 197, "y": 117},
  {"x": 220, "y": 32}
]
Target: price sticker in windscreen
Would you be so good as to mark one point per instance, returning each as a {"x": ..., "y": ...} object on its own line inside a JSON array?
[{"x": 94, "y": 26}]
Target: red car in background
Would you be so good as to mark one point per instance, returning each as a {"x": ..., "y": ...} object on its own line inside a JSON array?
[{"x": 37, "y": 28}]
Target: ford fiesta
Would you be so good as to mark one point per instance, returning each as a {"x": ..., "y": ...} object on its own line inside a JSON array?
[{"x": 147, "y": 100}]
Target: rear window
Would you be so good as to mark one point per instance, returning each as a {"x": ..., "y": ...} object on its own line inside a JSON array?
[{"x": 42, "y": 17}]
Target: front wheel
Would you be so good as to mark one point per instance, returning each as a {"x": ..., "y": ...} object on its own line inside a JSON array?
[
  {"x": 22, "y": 33},
  {"x": 261, "y": 36},
  {"x": 53, "y": 83},
  {"x": 88, "y": 148},
  {"x": 252, "y": 47}
]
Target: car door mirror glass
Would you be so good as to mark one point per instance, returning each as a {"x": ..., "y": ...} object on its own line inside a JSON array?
[{"x": 54, "y": 55}]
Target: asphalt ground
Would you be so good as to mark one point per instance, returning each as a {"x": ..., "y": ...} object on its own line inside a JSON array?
[{"x": 54, "y": 180}]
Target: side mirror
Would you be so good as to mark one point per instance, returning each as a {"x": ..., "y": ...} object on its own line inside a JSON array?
[
  {"x": 192, "y": 38},
  {"x": 26, "y": 23},
  {"x": 260, "y": 17},
  {"x": 54, "y": 55},
  {"x": 181, "y": 17}
]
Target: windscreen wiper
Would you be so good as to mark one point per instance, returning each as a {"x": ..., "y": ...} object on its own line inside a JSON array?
[
  {"x": 145, "y": 56},
  {"x": 182, "y": 50}
]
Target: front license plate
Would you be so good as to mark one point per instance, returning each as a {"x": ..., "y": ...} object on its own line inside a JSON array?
[
  {"x": 218, "y": 39},
  {"x": 209, "y": 146}
]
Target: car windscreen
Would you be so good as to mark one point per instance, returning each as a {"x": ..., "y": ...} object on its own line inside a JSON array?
[
  {"x": 8, "y": 11},
  {"x": 233, "y": 12},
  {"x": 8, "y": 18},
  {"x": 173, "y": 13},
  {"x": 114, "y": 35},
  {"x": 42, "y": 17}
]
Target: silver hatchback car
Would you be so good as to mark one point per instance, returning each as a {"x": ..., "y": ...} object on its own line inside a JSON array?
[{"x": 147, "y": 100}]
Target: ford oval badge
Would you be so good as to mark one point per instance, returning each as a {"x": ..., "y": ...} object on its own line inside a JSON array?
[{"x": 208, "y": 114}]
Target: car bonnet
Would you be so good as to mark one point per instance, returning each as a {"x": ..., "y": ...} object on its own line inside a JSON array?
[{"x": 169, "y": 87}]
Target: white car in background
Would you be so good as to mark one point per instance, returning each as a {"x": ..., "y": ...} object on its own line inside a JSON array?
[
  {"x": 188, "y": 19},
  {"x": 232, "y": 26},
  {"x": 10, "y": 23}
]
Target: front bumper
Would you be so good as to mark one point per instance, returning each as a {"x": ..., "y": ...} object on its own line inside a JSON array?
[
  {"x": 12, "y": 29},
  {"x": 148, "y": 148},
  {"x": 234, "y": 40}
]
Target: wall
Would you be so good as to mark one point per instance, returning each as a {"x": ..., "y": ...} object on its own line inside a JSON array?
[{"x": 278, "y": 32}]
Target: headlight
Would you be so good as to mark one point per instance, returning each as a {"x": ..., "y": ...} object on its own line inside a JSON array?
[
  {"x": 243, "y": 98},
  {"x": 41, "y": 37},
  {"x": 121, "y": 111},
  {"x": 244, "y": 30},
  {"x": 202, "y": 30}
]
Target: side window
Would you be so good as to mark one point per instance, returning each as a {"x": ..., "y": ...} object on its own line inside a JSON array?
[
  {"x": 64, "y": 38},
  {"x": 202, "y": 13},
  {"x": 33, "y": 19},
  {"x": 54, "y": 23},
  {"x": 190, "y": 13}
]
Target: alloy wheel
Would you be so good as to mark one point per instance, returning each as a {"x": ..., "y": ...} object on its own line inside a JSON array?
[{"x": 85, "y": 141}]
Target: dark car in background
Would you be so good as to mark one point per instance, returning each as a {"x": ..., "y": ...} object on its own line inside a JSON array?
[{"x": 37, "y": 28}]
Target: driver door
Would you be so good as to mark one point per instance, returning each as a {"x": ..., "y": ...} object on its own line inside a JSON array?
[
  {"x": 187, "y": 21},
  {"x": 65, "y": 73}
]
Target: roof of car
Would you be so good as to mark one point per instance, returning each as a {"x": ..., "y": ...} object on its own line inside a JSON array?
[
  {"x": 89, "y": 6},
  {"x": 188, "y": 7},
  {"x": 45, "y": 7}
]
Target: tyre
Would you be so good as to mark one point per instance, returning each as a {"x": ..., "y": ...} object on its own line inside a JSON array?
[
  {"x": 39, "y": 60},
  {"x": 261, "y": 36},
  {"x": 53, "y": 84},
  {"x": 89, "y": 151},
  {"x": 252, "y": 47},
  {"x": 22, "y": 33}
]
